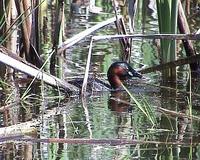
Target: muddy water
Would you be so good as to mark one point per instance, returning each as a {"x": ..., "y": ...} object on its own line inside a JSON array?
[{"x": 103, "y": 118}]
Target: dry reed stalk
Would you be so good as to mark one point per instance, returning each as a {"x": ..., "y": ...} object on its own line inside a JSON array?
[
  {"x": 184, "y": 29},
  {"x": 84, "y": 87}
]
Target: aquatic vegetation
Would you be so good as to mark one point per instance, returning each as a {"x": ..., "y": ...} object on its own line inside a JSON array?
[{"x": 144, "y": 106}]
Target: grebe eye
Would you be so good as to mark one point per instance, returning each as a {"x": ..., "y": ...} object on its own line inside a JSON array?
[{"x": 130, "y": 73}]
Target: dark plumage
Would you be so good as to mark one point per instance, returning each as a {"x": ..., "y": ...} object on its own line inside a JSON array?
[{"x": 117, "y": 73}]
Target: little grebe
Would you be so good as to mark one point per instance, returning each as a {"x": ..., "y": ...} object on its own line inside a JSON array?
[{"x": 117, "y": 73}]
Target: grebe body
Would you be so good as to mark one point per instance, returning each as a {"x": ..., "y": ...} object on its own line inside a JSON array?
[{"x": 117, "y": 73}]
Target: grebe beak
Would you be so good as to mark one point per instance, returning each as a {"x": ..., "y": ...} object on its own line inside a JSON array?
[{"x": 134, "y": 73}]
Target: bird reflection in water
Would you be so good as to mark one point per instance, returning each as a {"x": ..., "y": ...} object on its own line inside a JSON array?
[{"x": 119, "y": 102}]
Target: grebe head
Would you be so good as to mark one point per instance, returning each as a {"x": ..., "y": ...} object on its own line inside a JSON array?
[{"x": 120, "y": 71}]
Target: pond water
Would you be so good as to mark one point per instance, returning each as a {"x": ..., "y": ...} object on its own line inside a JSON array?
[{"x": 104, "y": 125}]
